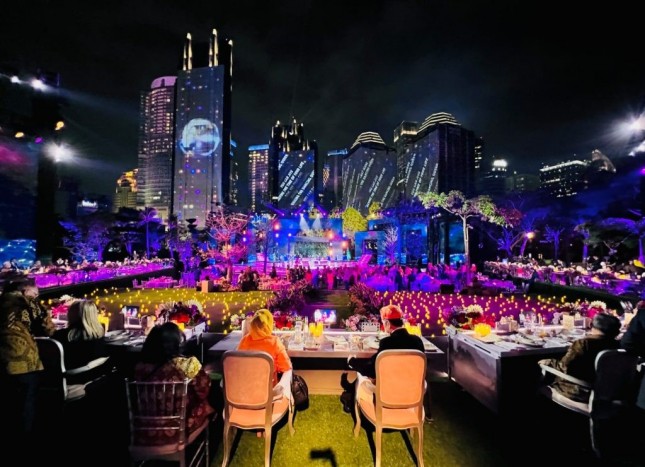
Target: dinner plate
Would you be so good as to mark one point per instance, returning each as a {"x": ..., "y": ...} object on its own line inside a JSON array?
[{"x": 372, "y": 344}]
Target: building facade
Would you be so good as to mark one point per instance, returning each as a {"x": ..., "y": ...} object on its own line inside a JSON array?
[
  {"x": 125, "y": 195},
  {"x": 293, "y": 167},
  {"x": 439, "y": 158},
  {"x": 259, "y": 177},
  {"x": 564, "y": 179},
  {"x": 332, "y": 179},
  {"x": 202, "y": 162},
  {"x": 156, "y": 129},
  {"x": 369, "y": 173}
]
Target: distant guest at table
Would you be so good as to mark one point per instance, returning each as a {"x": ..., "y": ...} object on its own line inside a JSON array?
[
  {"x": 399, "y": 338},
  {"x": 83, "y": 338},
  {"x": 260, "y": 337},
  {"x": 580, "y": 359},
  {"x": 161, "y": 360}
]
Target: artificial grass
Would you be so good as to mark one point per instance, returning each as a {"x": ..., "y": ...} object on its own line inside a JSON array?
[{"x": 324, "y": 436}]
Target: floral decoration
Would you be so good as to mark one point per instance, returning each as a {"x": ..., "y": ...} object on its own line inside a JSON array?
[
  {"x": 189, "y": 313},
  {"x": 284, "y": 320},
  {"x": 364, "y": 300},
  {"x": 463, "y": 318},
  {"x": 353, "y": 323}
]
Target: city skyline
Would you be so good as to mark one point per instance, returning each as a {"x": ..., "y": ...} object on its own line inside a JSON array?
[{"x": 538, "y": 87}]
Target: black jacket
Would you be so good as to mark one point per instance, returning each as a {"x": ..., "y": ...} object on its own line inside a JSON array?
[{"x": 399, "y": 339}]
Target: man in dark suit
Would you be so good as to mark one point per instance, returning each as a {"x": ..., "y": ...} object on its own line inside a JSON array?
[
  {"x": 399, "y": 338},
  {"x": 634, "y": 341}
]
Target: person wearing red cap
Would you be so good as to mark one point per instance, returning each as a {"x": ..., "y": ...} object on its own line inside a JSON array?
[{"x": 399, "y": 338}]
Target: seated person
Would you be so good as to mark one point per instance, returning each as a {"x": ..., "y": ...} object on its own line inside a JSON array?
[
  {"x": 83, "y": 338},
  {"x": 580, "y": 359},
  {"x": 161, "y": 360},
  {"x": 260, "y": 337},
  {"x": 634, "y": 338},
  {"x": 399, "y": 338}
]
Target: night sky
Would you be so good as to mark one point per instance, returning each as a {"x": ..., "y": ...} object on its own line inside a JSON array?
[{"x": 538, "y": 83}]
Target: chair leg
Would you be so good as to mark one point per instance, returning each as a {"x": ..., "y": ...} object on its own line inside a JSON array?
[
  {"x": 357, "y": 427},
  {"x": 420, "y": 445},
  {"x": 291, "y": 428},
  {"x": 227, "y": 442},
  {"x": 267, "y": 447},
  {"x": 379, "y": 436}
]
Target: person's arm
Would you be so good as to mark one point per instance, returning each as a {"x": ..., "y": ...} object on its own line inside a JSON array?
[
  {"x": 282, "y": 360},
  {"x": 569, "y": 361}
]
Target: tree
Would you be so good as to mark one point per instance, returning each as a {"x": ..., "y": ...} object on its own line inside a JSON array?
[
  {"x": 456, "y": 203},
  {"x": 147, "y": 217},
  {"x": 375, "y": 211},
  {"x": 353, "y": 222},
  {"x": 225, "y": 226},
  {"x": 553, "y": 235},
  {"x": 263, "y": 226},
  {"x": 391, "y": 243}
]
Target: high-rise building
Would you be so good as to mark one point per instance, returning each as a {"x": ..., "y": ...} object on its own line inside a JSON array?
[
  {"x": 293, "y": 167},
  {"x": 258, "y": 176},
  {"x": 156, "y": 128},
  {"x": 234, "y": 178},
  {"x": 493, "y": 182},
  {"x": 564, "y": 178},
  {"x": 404, "y": 136},
  {"x": 202, "y": 167},
  {"x": 440, "y": 158},
  {"x": 369, "y": 173},
  {"x": 125, "y": 195},
  {"x": 332, "y": 178},
  {"x": 520, "y": 183}
]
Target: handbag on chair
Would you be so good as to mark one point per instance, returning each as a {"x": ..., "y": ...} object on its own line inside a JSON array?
[{"x": 300, "y": 391}]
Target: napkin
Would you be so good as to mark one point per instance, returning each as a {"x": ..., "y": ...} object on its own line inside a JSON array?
[{"x": 508, "y": 345}]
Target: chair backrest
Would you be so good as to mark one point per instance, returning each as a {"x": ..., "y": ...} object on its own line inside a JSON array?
[
  {"x": 616, "y": 377},
  {"x": 52, "y": 355},
  {"x": 157, "y": 410},
  {"x": 400, "y": 378},
  {"x": 248, "y": 379}
]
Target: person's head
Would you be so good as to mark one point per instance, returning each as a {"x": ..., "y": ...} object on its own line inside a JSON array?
[
  {"x": 606, "y": 324},
  {"x": 83, "y": 321},
  {"x": 392, "y": 317},
  {"x": 162, "y": 344},
  {"x": 27, "y": 287},
  {"x": 261, "y": 325}
]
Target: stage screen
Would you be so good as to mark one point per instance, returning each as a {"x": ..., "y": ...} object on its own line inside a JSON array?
[
  {"x": 296, "y": 174},
  {"x": 198, "y": 143}
]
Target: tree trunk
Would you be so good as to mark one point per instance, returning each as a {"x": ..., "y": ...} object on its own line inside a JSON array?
[
  {"x": 466, "y": 249},
  {"x": 147, "y": 242},
  {"x": 523, "y": 247},
  {"x": 585, "y": 252},
  {"x": 641, "y": 256}
]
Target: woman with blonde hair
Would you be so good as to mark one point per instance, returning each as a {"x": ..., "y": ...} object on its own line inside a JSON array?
[
  {"x": 260, "y": 337},
  {"x": 83, "y": 338}
]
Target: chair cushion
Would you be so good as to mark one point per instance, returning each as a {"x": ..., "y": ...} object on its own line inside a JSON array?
[
  {"x": 392, "y": 418},
  {"x": 246, "y": 418},
  {"x": 75, "y": 391}
]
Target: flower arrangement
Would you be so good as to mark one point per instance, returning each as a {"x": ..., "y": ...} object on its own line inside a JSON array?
[
  {"x": 188, "y": 313},
  {"x": 237, "y": 319},
  {"x": 61, "y": 305},
  {"x": 291, "y": 299},
  {"x": 466, "y": 318},
  {"x": 585, "y": 308},
  {"x": 364, "y": 300},
  {"x": 285, "y": 320},
  {"x": 353, "y": 323}
]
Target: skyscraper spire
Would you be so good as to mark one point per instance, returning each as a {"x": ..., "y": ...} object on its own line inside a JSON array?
[
  {"x": 213, "y": 50},
  {"x": 188, "y": 53}
]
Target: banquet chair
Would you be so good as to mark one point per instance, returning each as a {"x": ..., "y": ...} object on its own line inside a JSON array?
[
  {"x": 613, "y": 393},
  {"x": 396, "y": 400},
  {"x": 59, "y": 385},
  {"x": 251, "y": 402},
  {"x": 157, "y": 409}
]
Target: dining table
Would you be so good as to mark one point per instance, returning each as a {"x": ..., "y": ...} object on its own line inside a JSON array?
[
  {"x": 501, "y": 369},
  {"x": 323, "y": 364}
]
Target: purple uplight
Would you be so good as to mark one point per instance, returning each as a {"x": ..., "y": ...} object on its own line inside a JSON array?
[
  {"x": 38, "y": 140},
  {"x": 643, "y": 171}
]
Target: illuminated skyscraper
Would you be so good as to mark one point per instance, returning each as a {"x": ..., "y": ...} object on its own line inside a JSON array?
[
  {"x": 156, "y": 127},
  {"x": 293, "y": 163},
  {"x": 333, "y": 178},
  {"x": 564, "y": 179},
  {"x": 493, "y": 183},
  {"x": 125, "y": 195},
  {"x": 369, "y": 173},
  {"x": 202, "y": 167},
  {"x": 259, "y": 176},
  {"x": 440, "y": 158},
  {"x": 234, "y": 177}
]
